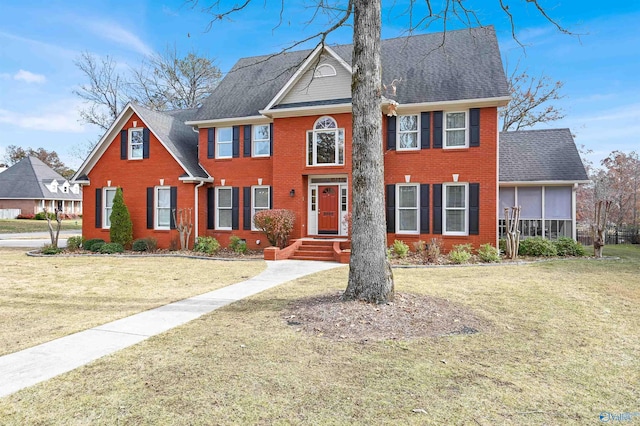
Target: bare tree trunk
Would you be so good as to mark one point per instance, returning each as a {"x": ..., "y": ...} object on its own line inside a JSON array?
[
  {"x": 599, "y": 226},
  {"x": 54, "y": 235},
  {"x": 370, "y": 276}
]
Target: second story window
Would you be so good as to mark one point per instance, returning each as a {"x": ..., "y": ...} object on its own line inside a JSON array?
[
  {"x": 408, "y": 132},
  {"x": 224, "y": 142},
  {"x": 261, "y": 141},
  {"x": 455, "y": 125},
  {"x": 136, "y": 140},
  {"x": 325, "y": 143}
]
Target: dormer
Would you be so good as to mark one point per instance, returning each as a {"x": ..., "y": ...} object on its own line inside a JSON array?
[
  {"x": 52, "y": 185},
  {"x": 75, "y": 188},
  {"x": 65, "y": 187}
]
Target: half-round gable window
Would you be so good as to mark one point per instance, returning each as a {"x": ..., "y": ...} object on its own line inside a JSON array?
[
  {"x": 324, "y": 70},
  {"x": 325, "y": 123}
]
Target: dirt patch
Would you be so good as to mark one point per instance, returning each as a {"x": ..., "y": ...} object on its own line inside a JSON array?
[{"x": 409, "y": 316}]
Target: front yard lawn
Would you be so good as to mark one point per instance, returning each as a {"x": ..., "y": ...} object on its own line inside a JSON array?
[{"x": 561, "y": 347}]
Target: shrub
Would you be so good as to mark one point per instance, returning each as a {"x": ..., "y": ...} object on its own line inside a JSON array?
[
  {"x": 237, "y": 244},
  {"x": 419, "y": 246},
  {"x": 502, "y": 245},
  {"x": 207, "y": 245},
  {"x": 277, "y": 225},
  {"x": 74, "y": 243},
  {"x": 110, "y": 248},
  {"x": 121, "y": 230},
  {"x": 537, "y": 246},
  {"x": 43, "y": 216},
  {"x": 569, "y": 247},
  {"x": 50, "y": 249},
  {"x": 145, "y": 244},
  {"x": 88, "y": 245},
  {"x": 26, "y": 216},
  {"x": 400, "y": 248},
  {"x": 432, "y": 251},
  {"x": 488, "y": 253},
  {"x": 97, "y": 246},
  {"x": 461, "y": 253}
]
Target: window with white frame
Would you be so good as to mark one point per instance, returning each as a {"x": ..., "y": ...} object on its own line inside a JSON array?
[
  {"x": 107, "y": 196},
  {"x": 325, "y": 143},
  {"x": 163, "y": 207},
  {"x": 224, "y": 206},
  {"x": 261, "y": 140},
  {"x": 408, "y": 132},
  {"x": 455, "y": 129},
  {"x": 259, "y": 201},
  {"x": 224, "y": 142},
  {"x": 407, "y": 208},
  {"x": 136, "y": 141},
  {"x": 324, "y": 70},
  {"x": 456, "y": 209}
]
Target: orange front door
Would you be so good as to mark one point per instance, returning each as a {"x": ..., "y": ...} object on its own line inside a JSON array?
[{"x": 328, "y": 210}]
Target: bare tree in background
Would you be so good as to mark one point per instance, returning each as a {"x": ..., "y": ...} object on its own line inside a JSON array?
[
  {"x": 370, "y": 276},
  {"x": 531, "y": 101}
]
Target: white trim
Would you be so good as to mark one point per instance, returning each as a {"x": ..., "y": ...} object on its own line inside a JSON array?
[
  {"x": 445, "y": 129},
  {"x": 466, "y": 209},
  {"x": 268, "y": 140},
  {"x": 398, "y": 208},
  {"x": 229, "y": 142},
  {"x": 307, "y": 110},
  {"x": 130, "y": 130},
  {"x": 217, "y": 209},
  {"x": 106, "y": 217},
  {"x": 458, "y": 103},
  {"x": 314, "y": 155},
  {"x": 417, "y": 132},
  {"x": 251, "y": 119},
  {"x": 156, "y": 198},
  {"x": 541, "y": 182},
  {"x": 253, "y": 202},
  {"x": 312, "y": 215},
  {"x": 331, "y": 73}
]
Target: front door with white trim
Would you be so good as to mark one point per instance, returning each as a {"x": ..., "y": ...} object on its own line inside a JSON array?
[{"x": 327, "y": 205}]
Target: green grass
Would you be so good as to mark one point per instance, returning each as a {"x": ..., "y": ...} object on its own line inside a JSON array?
[
  {"x": 563, "y": 347},
  {"x": 11, "y": 226}
]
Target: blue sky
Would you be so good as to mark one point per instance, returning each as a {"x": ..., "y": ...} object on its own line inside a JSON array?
[{"x": 39, "y": 41}]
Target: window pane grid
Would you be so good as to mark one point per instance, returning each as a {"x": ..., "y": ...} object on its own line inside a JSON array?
[
  {"x": 325, "y": 144},
  {"x": 261, "y": 140},
  {"x": 407, "y": 210},
  {"x": 408, "y": 131},
  {"x": 456, "y": 129},
  {"x": 224, "y": 137},
  {"x": 224, "y": 205},
  {"x": 136, "y": 144},
  {"x": 455, "y": 209}
]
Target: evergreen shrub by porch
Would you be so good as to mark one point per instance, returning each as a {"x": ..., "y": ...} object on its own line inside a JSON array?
[
  {"x": 88, "y": 245},
  {"x": 237, "y": 244},
  {"x": 566, "y": 246},
  {"x": 537, "y": 247},
  {"x": 461, "y": 253},
  {"x": 207, "y": 245},
  {"x": 121, "y": 230},
  {"x": 488, "y": 253},
  {"x": 110, "y": 248},
  {"x": 74, "y": 243},
  {"x": 276, "y": 224}
]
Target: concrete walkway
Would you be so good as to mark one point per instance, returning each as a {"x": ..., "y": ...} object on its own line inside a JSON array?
[{"x": 34, "y": 365}]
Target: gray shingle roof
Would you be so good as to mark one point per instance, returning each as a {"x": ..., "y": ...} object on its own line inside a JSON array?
[
  {"x": 180, "y": 139},
  {"x": 27, "y": 179},
  {"x": 456, "y": 65},
  {"x": 540, "y": 155}
]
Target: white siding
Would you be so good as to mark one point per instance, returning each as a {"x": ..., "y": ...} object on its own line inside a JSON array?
[{"x": 309, "y": 89}]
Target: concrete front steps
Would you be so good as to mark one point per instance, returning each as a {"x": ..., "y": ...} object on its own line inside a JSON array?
[{"x": 319, "y": 249}]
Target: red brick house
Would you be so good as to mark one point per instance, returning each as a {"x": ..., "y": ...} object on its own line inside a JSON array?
[{"x": 276, "y": 133}]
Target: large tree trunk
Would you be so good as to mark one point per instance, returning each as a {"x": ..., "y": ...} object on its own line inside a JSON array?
[{"x": 370, "y": 276}]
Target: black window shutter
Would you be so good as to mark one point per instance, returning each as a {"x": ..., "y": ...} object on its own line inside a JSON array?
[
  {"x": 173, "y": 202},
  {"x": 235, "y": 211},
  {"x": 236, "y": 141},
  {"x": 98, "y": 207},
  {"x": 425, "y": 130},
  {"x": 211, "y": 142},
  {"x": 437, "y": 208},
  {"x": 391, "y": 132},
  {"x": 474, "y": 127},
  {"x": 150, "y": 208},
  {"x": 424, "y": 208},
  {"x": 474, "y": 208},
  {"x": 271, "y": 139},
  {"x": 124, "y": 144},
  {"x": 270, "y": 197},
  {"x": 391, "y": 208},
  {"x": 247, "y": 140},
  {"x": 437, "y": 129},
  {"x": 145, "y": 143},
  {"x": 211, "y": 208},
  {"x": 246, "y": 208}
]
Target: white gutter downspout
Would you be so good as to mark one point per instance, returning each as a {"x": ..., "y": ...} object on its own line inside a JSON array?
[{"x": 195, "y": 225}]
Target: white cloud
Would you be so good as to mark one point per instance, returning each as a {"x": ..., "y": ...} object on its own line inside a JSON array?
[
  {"x": 29, "y": 77},
  {"x": 114, "y": 32},
  {"x": 65, "y": 120}
]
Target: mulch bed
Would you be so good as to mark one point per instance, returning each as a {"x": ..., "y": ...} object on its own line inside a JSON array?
[{"x": 409, "y": 316}]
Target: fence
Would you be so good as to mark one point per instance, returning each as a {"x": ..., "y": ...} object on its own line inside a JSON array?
[
  {"x": 611, "y": 236},
  {"x": 9, "y": 213}
]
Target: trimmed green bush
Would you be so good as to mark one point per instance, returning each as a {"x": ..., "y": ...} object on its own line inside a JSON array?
[
  {"x": 50, "y": 249},
  {"x": 43, "y": 216},
  {"x": 537, "y": 247},
  {"x": 400, "y": 248},
  {"x": 97, "y": 246},
  {"x": 566, "y": 246},
  {"x": 74, "y": 243},
  {"x": 461, "y": 253},
  {"x": 110, "y": 248},
  {"x": 149, "y": 244},
  {"x": 237, "y": 244},
  {"x": 488, "y": 253},
  {"x": 207, "y": 245},
  {"x": 121, "y": 230},
  {"x": 88, "y": 245}
]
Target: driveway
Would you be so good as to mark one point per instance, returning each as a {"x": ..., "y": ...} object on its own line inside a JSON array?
[{"x": 35, "y": 239}]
